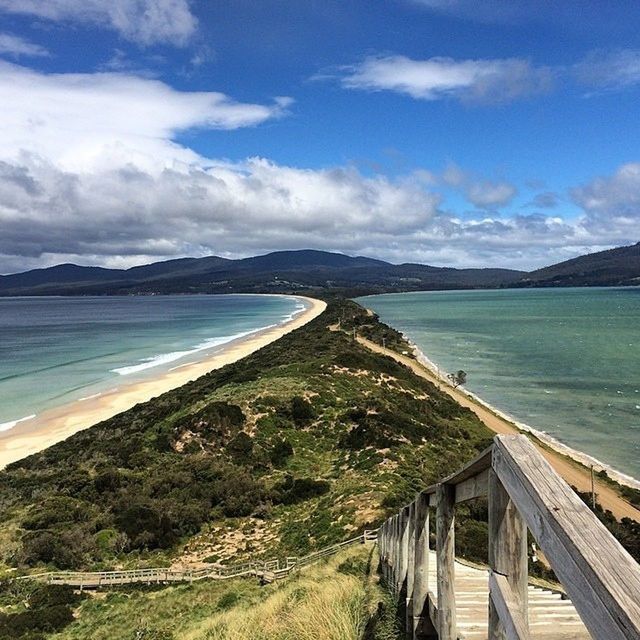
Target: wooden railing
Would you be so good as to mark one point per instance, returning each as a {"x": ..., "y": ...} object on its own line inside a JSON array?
[
  {"x": 524, "y": 492},
  {"x": 273, "y": 569}
]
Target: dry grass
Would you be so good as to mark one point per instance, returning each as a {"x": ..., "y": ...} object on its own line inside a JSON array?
[
  {"x": 322, "y": 602},
  {"x": 319, "y": 604}
]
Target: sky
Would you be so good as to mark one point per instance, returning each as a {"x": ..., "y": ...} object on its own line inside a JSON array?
[{"x": 449, "y": 132}]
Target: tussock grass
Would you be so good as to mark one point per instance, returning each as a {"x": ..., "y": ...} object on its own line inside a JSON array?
[
  {"x": 334, "y": 600},
  {"x": 319, "y": 604}
]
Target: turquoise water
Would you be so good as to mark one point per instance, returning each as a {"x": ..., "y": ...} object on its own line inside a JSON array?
[
  {"x": 563, "y": 361},
  {"x": 58, "y": 350}
]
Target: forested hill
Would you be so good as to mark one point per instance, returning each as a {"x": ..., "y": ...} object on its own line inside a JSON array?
[
  {"x": 283, "y": 271},
  {"x": 309, "y": 271},
  {"x": 620, "y": 266}
]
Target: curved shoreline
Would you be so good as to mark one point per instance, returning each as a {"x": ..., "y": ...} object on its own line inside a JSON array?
[
  {"x": 557, "y": 445},
  {"x": 572, "y": 471},
  {"x": 53, "y": 425}
]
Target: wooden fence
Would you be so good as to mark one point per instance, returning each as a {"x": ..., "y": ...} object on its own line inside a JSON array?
[
  {"x": 524, "y": 492},
  {"x": 269, "y": 570}
]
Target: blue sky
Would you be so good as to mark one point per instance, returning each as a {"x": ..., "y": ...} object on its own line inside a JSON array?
[{"x": 442, "y": 131}]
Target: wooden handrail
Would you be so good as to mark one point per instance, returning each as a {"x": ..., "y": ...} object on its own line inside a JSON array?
[{"x": 524, "y": 492}]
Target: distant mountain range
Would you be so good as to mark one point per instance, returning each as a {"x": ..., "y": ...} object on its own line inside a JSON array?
[{"x": 309, "y": 271}]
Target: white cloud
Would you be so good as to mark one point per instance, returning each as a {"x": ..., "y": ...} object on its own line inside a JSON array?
[
  {"x": 16, "y": 47},
  {"x": 609, "y": 69},
  {"x": 612, "y": 197},
  {"x": 485, "y": 11},
  {"x": 482, "y": 193},
  {"x": 94, "y": 120},
  {"x": 545, "y": 200},
  {"x": 480, "y": 81},
  {"x": 145, "y": 22},
  {"x": 90, "y": 171}
]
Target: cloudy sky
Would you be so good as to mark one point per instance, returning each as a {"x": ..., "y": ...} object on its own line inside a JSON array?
[{"x": 450, "y": 132}]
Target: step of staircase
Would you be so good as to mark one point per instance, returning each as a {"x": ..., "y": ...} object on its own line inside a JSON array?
[{"x": 551, "y": 615}]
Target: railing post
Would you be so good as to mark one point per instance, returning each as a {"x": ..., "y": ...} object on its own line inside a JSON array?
[
  {"x": 403, "y": 555},
  {"x": 422, "y": 625},
  {"x": 411, "y": 551},
  {"x": 393, "y": 552},
  {"x": 507, "y": 552},
  {"x": 445, "y": 555},
  {"x": 396, "y": 552}
]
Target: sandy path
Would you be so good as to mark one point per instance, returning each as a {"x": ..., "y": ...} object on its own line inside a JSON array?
[
  {"x": 61, "y": 422},
  {"x": 573, "y": 472}
]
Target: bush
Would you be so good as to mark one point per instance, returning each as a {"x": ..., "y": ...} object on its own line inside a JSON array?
[
  {"x": 241, "y": 447},
  {"x": 296, "y": 490},
  {"x": 302, "y": 412},
  {"x": 280, "y": 451},
  {"x": 50, "y": 595},
  {"x": 57, "y": 510},
  {"x": 145, "y": 527},
  {"x": 51, "y": 547}
]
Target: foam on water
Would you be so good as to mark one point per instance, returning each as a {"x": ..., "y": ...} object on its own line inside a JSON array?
[
  {"x": 5, "y": 426},
  {"x": 59, "y": 350},
  {"x": 165, "y": 358}
]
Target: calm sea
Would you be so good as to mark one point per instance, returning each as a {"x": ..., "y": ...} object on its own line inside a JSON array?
[
  {"x": 563, "y": 361},
  {"x": 58, "y": 350}
]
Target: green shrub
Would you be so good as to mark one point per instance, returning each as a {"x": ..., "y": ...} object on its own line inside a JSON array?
[
  {"x": 296, "y": 490},
  {"x": 302, "y": 412},
  {"x": 280, "y": 452}
]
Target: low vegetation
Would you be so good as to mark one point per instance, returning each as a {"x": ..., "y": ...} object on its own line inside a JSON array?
[
  {"x": 338, "y": 599},
  {"x": 300, "y": 445}
]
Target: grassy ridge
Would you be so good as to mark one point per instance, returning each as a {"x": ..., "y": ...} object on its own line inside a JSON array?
[{"x": 293, "y": 448}]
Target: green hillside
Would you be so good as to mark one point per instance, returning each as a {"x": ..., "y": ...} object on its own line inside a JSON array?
[
  {"x": 295, "y": 447},
  {"x": 305, "y": 443}
]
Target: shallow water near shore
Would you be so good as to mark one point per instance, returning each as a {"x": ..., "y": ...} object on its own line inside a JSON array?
[
  {"x": 563, "y": 361},
  {"x": 56, "y": 350}
]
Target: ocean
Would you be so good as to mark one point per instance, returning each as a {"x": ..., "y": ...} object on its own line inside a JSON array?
[
  {"x": 57, "y": 350},
  {"x": 562, "y": 361}
]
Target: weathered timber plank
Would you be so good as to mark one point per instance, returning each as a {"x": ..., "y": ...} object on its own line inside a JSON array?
[
  {"x": 411, "y": 567},
  {"x": 600, "y": 577},
  {"x": 507, "y": 606},
  {"x": 474, "y": 487},
  {"x": 479, "y": 464},
  {"x": 445, "y": 554},
  {"x": 507, "y": 552},
  {"x": 422, "y": 625}
]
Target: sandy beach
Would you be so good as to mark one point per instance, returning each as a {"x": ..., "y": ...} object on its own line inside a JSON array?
[
  {"x": 54, "y": 425},
  {"x": 573, "y": 471}
]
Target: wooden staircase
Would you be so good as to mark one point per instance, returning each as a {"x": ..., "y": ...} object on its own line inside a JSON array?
[
  {"x": 551, "y": 614},
  {"x": 441, "y": 597}
]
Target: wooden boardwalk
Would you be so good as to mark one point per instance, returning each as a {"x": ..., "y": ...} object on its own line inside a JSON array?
[
  {"x": 551, "y": 615},
  {"x": 443, "y": 598},
  {"x": 267, "y": 571}
]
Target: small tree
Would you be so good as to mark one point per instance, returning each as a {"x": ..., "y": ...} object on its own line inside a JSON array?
[{"x": 458, "y": 378}]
